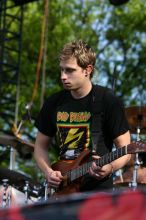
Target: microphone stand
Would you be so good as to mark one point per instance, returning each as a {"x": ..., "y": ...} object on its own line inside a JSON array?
[
  {"x": 27, "y": 116},
  {"x": 13, "y": 150},
  {"x": 133, "y": 184},
  {"x": 114, "y": 80}
]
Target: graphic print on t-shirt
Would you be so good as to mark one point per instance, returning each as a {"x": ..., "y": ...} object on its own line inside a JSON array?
[
  {"x": 74, "y": 138},
  {"x": 73, "y": 132}
]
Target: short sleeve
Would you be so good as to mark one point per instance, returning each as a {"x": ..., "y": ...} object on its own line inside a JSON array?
[
  {"x": 115, "y": 118},
  {"x": 46, "y": 120}
]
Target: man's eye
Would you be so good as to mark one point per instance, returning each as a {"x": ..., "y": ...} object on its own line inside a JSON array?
[{"x": 69, "y": 70}]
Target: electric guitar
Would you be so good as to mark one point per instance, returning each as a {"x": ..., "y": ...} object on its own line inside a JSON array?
[{"x": 73, "y": 170}]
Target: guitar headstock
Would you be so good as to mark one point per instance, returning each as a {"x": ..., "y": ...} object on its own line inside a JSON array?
[{"x": 136, "y": 147}]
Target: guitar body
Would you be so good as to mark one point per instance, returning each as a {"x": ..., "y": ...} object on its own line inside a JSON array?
[
  {"x": 65, "y": 166},
  {"x": 69, "y": 189}
]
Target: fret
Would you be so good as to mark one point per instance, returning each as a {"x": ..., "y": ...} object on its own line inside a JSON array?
[
  {"x": 88, "y": 166},
  {"x": 69, "y": 174},
  {"x": 119, "y": 153},
  {"x": 101, "y": 161},
  {"x": 115, "y": 154},
  {"x": 84, "y": 169},
  {"x": 107, "y": 159},
  {"x": 72, "y": 175},
  {"x": 80, "y": 171},
  {"x": 77, "y": 172}
]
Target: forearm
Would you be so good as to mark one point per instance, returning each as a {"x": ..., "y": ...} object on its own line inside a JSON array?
[
  {"x": 53, "y": 177},
  {"x": 120, "y": 163},
  {"x": 41, "y": 153},
  {"x": 122, "y": 141},
  {"x": 41, "y": 158}
]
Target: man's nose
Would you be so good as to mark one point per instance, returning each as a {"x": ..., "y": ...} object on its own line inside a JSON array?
[{"x": 63, "y": 74}]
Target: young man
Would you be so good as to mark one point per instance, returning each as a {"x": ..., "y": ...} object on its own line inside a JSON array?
[{"x": 75, "y": 114}]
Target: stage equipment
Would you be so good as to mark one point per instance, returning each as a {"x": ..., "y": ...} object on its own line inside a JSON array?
[
  {"x": 127, "y": 174},
  {"x": 23, "y": 147},
  {"x": 17, "y": 188},
  {"x": 136, "y": 116},
  {"x": 12, "y": 140},
  {"x": 11, "y": 12}
]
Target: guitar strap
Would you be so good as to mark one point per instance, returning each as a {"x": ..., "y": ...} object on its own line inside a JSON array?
[{"x": 97, "y": 118}]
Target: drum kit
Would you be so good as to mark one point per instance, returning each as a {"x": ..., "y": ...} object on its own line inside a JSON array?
[
  {"x": 17, "y": 188},
  {"x": 134, "y": 174}
]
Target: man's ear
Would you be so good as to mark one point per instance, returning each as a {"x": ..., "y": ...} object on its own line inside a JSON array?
[{"x": 89, "y": 69}]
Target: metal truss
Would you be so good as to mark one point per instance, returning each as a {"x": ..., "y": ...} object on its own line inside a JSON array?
[{"x": 11, "y": 23}]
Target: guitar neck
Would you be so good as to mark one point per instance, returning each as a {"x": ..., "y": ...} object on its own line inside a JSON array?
[{"x": 107, "y": 158}]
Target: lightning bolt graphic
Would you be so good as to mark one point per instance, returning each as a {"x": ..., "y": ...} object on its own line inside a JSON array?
[{"x": 72, "y": 136}]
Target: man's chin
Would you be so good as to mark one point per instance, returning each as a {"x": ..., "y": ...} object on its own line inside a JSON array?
[{"x": 67, "y": 87}]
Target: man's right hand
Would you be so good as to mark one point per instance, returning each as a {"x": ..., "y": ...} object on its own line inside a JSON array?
[{"x": 54, "y": 178}]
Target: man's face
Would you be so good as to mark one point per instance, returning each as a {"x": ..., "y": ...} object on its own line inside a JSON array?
[{"x": 72, "y": 75}]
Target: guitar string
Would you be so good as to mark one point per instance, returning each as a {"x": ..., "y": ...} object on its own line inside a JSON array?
[{"x": 81, "y": 170}]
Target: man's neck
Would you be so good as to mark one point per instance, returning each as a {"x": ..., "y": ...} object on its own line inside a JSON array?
[{"x": 81, "y": 92}]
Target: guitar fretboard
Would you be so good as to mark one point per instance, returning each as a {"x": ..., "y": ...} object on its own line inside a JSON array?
[{"x": 107, "y": 158}]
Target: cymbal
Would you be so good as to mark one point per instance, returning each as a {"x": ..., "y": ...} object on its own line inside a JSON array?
[
  {"x": 7, "y": 140},
  {"x": 136, "y": 116},
  {"x": 127, "y": 176},
  {"x": 14, "y": 141}
]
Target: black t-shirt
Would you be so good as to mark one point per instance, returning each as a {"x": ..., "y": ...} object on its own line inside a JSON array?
[{"x": 71, "y": 119}]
